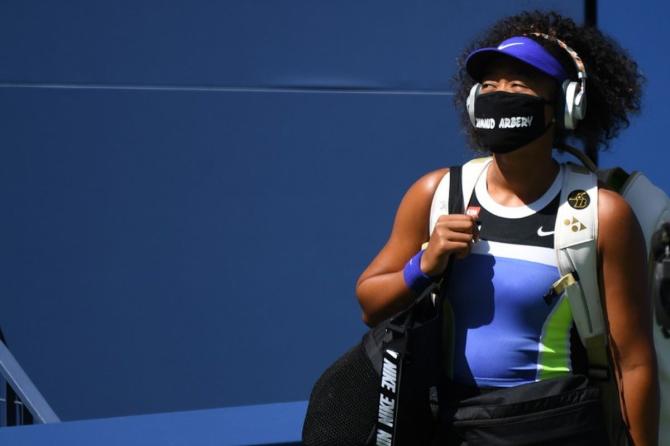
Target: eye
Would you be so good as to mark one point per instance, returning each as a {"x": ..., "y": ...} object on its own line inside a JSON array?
[{"x": 488, "y": 84}]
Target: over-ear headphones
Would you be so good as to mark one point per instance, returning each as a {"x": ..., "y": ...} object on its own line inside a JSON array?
[{"x": 572, "y": 107}]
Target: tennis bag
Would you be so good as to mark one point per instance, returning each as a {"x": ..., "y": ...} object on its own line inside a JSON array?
[
  {"x": 660, "y": 253},
  {"x": 384, "y": 390},
  {"x": 575, "y": 239},
  {"x": 577, "y": 262}
]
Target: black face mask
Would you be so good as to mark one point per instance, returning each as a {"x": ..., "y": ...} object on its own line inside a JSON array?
[{"x": 507, "y": 121}]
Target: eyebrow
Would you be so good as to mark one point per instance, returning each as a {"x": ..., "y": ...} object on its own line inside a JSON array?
[
  {"x": 509, "y": 76},
  {"x": 510, "y": 67}
]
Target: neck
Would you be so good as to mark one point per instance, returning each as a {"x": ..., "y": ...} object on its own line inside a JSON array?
[{"x": 523, "y": 175}]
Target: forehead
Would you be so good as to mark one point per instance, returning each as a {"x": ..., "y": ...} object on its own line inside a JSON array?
[{"x": 502, "y": 65}]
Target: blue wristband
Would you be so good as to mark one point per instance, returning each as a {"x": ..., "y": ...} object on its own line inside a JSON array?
[{"x": 415, "y": 279}]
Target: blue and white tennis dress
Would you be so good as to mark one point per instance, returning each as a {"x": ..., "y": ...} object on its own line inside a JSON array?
[{"x": 507, "y": 332}]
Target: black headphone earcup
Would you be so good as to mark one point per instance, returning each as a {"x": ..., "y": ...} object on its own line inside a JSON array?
[{"x": 560, "y": 108}]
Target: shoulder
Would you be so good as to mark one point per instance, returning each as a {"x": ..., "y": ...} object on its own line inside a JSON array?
[
  {"x": 427, "y": 184},
  {"x": 414, "y": 211},
  {"x": 613, "y": 210},
  {"x": 612, "y": 206},
  {"x": 420, "y": 194},
  {"x": 617, "y": 223}
]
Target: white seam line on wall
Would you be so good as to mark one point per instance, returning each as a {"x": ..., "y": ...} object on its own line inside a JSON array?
[{"x": 225, "y": 89}]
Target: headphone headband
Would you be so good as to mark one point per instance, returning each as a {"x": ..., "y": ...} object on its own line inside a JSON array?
[
  {"x": 579, "y": 65},
  {"x": 575, "y": 92}
]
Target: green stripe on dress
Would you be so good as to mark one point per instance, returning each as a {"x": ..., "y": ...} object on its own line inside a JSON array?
[{"x": 554, "y": 356}]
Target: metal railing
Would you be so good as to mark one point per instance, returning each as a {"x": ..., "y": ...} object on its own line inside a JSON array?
[{"x": 22, "y": 402}]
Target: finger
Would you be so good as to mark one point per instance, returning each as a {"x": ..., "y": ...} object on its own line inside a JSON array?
[
  {"x": 471, "y": 229},
  {"x": 454, "y": 217},
  {"x": 459, "y": 237},
  {"x": 449, "y": 246},
  {"x": 468, "y": 226},
  {"x": 459, "y": 221}
]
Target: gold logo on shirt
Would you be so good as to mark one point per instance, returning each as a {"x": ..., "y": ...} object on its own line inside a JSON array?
[
  {"x": 575, "y": 225},
  {"x": 579, "y": 199}
]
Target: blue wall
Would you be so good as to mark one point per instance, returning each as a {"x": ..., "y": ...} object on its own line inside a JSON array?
[
  {"x": 641, "y": 29},
  {"x": 190, "y": 190}
]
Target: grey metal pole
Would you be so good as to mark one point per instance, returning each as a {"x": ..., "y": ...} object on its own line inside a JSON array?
[
  {"x": 591, "y": 19},
  {"x": 24, "y": 388}
]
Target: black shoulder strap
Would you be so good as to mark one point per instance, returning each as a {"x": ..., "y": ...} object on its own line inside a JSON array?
[{"x": 456, "y": 205}]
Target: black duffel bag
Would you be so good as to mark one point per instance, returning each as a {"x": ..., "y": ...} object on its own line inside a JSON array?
[
  {"x": 554, "y": 412},
  {"x": 384, "y": 390}
]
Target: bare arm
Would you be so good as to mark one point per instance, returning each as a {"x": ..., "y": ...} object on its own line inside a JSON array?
[
  {"x": 624, "y": 283},
  {"x": 381, "y": 289}
]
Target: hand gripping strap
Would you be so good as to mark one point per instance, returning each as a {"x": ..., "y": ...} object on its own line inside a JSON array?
[
  {"x": 470, "y": 174},
  {"x": 575, "y": 243}
]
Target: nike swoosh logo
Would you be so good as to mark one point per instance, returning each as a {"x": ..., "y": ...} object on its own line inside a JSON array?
[
  {"x": 542, "y": 233},
  {"x": 502, "y": 47}
]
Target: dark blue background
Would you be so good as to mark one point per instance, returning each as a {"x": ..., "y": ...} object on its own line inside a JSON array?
[{"x": 190, "y": 190}]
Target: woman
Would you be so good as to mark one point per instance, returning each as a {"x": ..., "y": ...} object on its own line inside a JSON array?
[{"x": 521, "y": 66}]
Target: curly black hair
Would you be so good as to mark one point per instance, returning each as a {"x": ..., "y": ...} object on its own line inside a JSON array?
[{"x": 614, "y": 83}]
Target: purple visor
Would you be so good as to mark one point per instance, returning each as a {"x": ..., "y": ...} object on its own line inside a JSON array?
[{"x": 524, "y": 49}]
